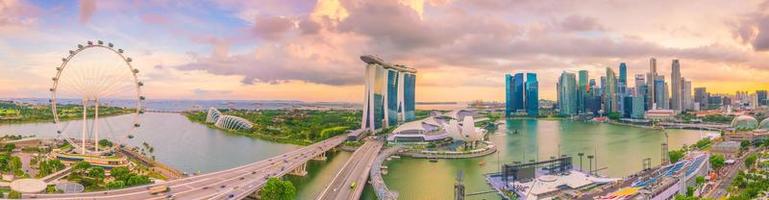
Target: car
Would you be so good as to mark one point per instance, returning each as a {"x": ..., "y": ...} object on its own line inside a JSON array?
[
  {"x": 241, "y": 178},
  {"x": 231, "y": 196},
  {"x": 223, "y": 186},
  {"x": 170, "y": 196},
  {"x": 206, "y": 187},
  {"x": 253, "y": 172}
]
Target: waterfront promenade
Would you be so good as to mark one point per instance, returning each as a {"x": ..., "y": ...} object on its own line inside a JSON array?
[{"x": 380, "y": 187}]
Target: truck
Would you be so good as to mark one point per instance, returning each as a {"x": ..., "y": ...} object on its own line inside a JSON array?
[{"x": 158, "y": 189}]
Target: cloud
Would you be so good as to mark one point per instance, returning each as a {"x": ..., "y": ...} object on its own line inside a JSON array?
[
  {"x": 753, "y": 28},
  {"x": 580, "y": 23},
  {"x": 271, "y": 28},
  {"x": 87, "y": 8}
]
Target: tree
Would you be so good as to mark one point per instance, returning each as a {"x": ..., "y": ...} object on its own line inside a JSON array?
[
  {"x": 751, "y": 160},
  {"x": 699, "y": 180},
  {"x": 717, "y": 161},
  {"x": 744, "y": 144},
  {"x": 276, "y": 189},
  {"x": 115, "y": 185},
  {"x": 14, "y": 195},
  {"x": 105, "y": 143},
  {"x": 675, "y": 155},
  {"x": 120, "y": 173}
]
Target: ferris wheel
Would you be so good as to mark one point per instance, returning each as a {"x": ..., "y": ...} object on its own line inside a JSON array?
[{"x": 92, "y": 75}]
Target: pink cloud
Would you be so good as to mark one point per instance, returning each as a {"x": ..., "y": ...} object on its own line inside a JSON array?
[{"x": 87, "y": 8}]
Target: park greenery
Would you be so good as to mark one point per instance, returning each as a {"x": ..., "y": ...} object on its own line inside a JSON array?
[
  {"x": 11, "y": 112},
  {"x": 749, "y": 185},
  {"x": 722, "y": 119},
  {"x": 48, "y": 167},
  {"x": 14, "y": 195},
  {"x": 676, "y": 155},
  {"x": 123, "y": 177},
  {"x": 717, "y": 161},
  {"x": 10, "y": 164},
  {"x": 276, "y": 189},
  {"x": 93, "y": 177},
  {"x": 292, "y": 126}
]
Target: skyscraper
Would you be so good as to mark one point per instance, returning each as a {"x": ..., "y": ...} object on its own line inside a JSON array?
[
  {"x": 623, "y": 73},
  {"x": 567, "y": 94},
  {"x": 659, "y": 92},
  {"x": 701, "y": 96},
  {"x": 651, "y": 80},
  {"x": 532, "y": 95},
  {"x": 761, "y": 95},
  {"x": 641, "y": 89},
  {"x": 518, "y": 91},
  {"x": 389, "y": 94},
  {"x": 610, "y": 92},
  {"x": 622, "y": 88},
  {"x": 675, "y": 81},
  {"x": 508, "y": 94},
  {"x": 686, "y": 95},
  {"x": 582, "y": 91}
]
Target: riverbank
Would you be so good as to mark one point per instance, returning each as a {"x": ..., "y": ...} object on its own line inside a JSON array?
[
  {"x": 300, "y": 127},
  {"x": 11, "y": 113}
]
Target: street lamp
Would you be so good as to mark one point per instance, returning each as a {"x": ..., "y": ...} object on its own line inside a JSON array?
[
  {"x": 590, "y": 157},
  {"x": 580, "y": 160}
]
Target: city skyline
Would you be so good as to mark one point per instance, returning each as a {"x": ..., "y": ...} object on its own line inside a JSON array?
[{"x": 300, "y": 50}]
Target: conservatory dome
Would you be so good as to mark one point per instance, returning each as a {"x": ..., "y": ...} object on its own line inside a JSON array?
[
  {"x": 744, "y": 122},
  {"x": 764, "y": 124}
]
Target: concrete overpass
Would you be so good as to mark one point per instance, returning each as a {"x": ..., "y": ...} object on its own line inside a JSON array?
[
  {"x": 234, "y": 183},
  {"x": 348, "y": 183}
]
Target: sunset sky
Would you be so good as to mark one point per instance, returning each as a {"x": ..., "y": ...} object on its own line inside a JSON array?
[{"x": 308, "y": 50}]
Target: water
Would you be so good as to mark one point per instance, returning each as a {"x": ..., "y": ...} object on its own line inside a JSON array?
[
  {"x": 193, "y": 147},
  {"x": 178, "y": 142},
  {"x": 620, "y": 148}
]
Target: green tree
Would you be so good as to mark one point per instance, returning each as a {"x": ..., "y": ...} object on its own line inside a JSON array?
[
  {"x": 750, "y": 161},
  {"x": 744, "y": 144},
  {"x": 699, "y": 180},
  {"x": 116, "y": 184},
  {"x": 14, "y": 195},
  {"x": 276, "y": 189},
  {"x": 676, "y": 155},
  {"x": 120, "y": 173},
  {"x": 717, "y": 161},
  {"x": 105, "y": 143}
]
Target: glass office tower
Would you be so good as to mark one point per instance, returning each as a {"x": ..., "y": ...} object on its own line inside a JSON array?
[
  {"x": 532, "y": 95},
  {"x": 518, "y": 91},
  {"x": 508, "y": 95}
]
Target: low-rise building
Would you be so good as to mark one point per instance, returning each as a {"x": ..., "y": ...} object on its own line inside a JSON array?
[
  {"x": 661, "y": 115},
  {"x": 726, "y": 148}
]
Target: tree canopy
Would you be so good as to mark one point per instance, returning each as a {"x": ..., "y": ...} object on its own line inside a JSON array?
[{"x": 276, "y": 189}]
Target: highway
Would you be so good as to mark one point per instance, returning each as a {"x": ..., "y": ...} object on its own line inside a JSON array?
[
  {"x": 348, "y": 183},
  {"x": 234, "y": 183}
]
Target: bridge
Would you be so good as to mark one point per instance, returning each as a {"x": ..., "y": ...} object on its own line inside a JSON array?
[
  {"x": 699, "y": 126},
  {"x": 349, "y": 181},
  {"x": 235, "y": 183},
  {"x": 382, "y": 192}
]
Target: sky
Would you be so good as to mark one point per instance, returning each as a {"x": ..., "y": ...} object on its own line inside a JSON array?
[{"x": 309, "y": 50}]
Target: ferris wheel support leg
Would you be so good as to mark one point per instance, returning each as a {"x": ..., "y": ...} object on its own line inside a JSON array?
[
  {"x": 85, "y": 125},
  {"x": 96, "y": 126}
]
